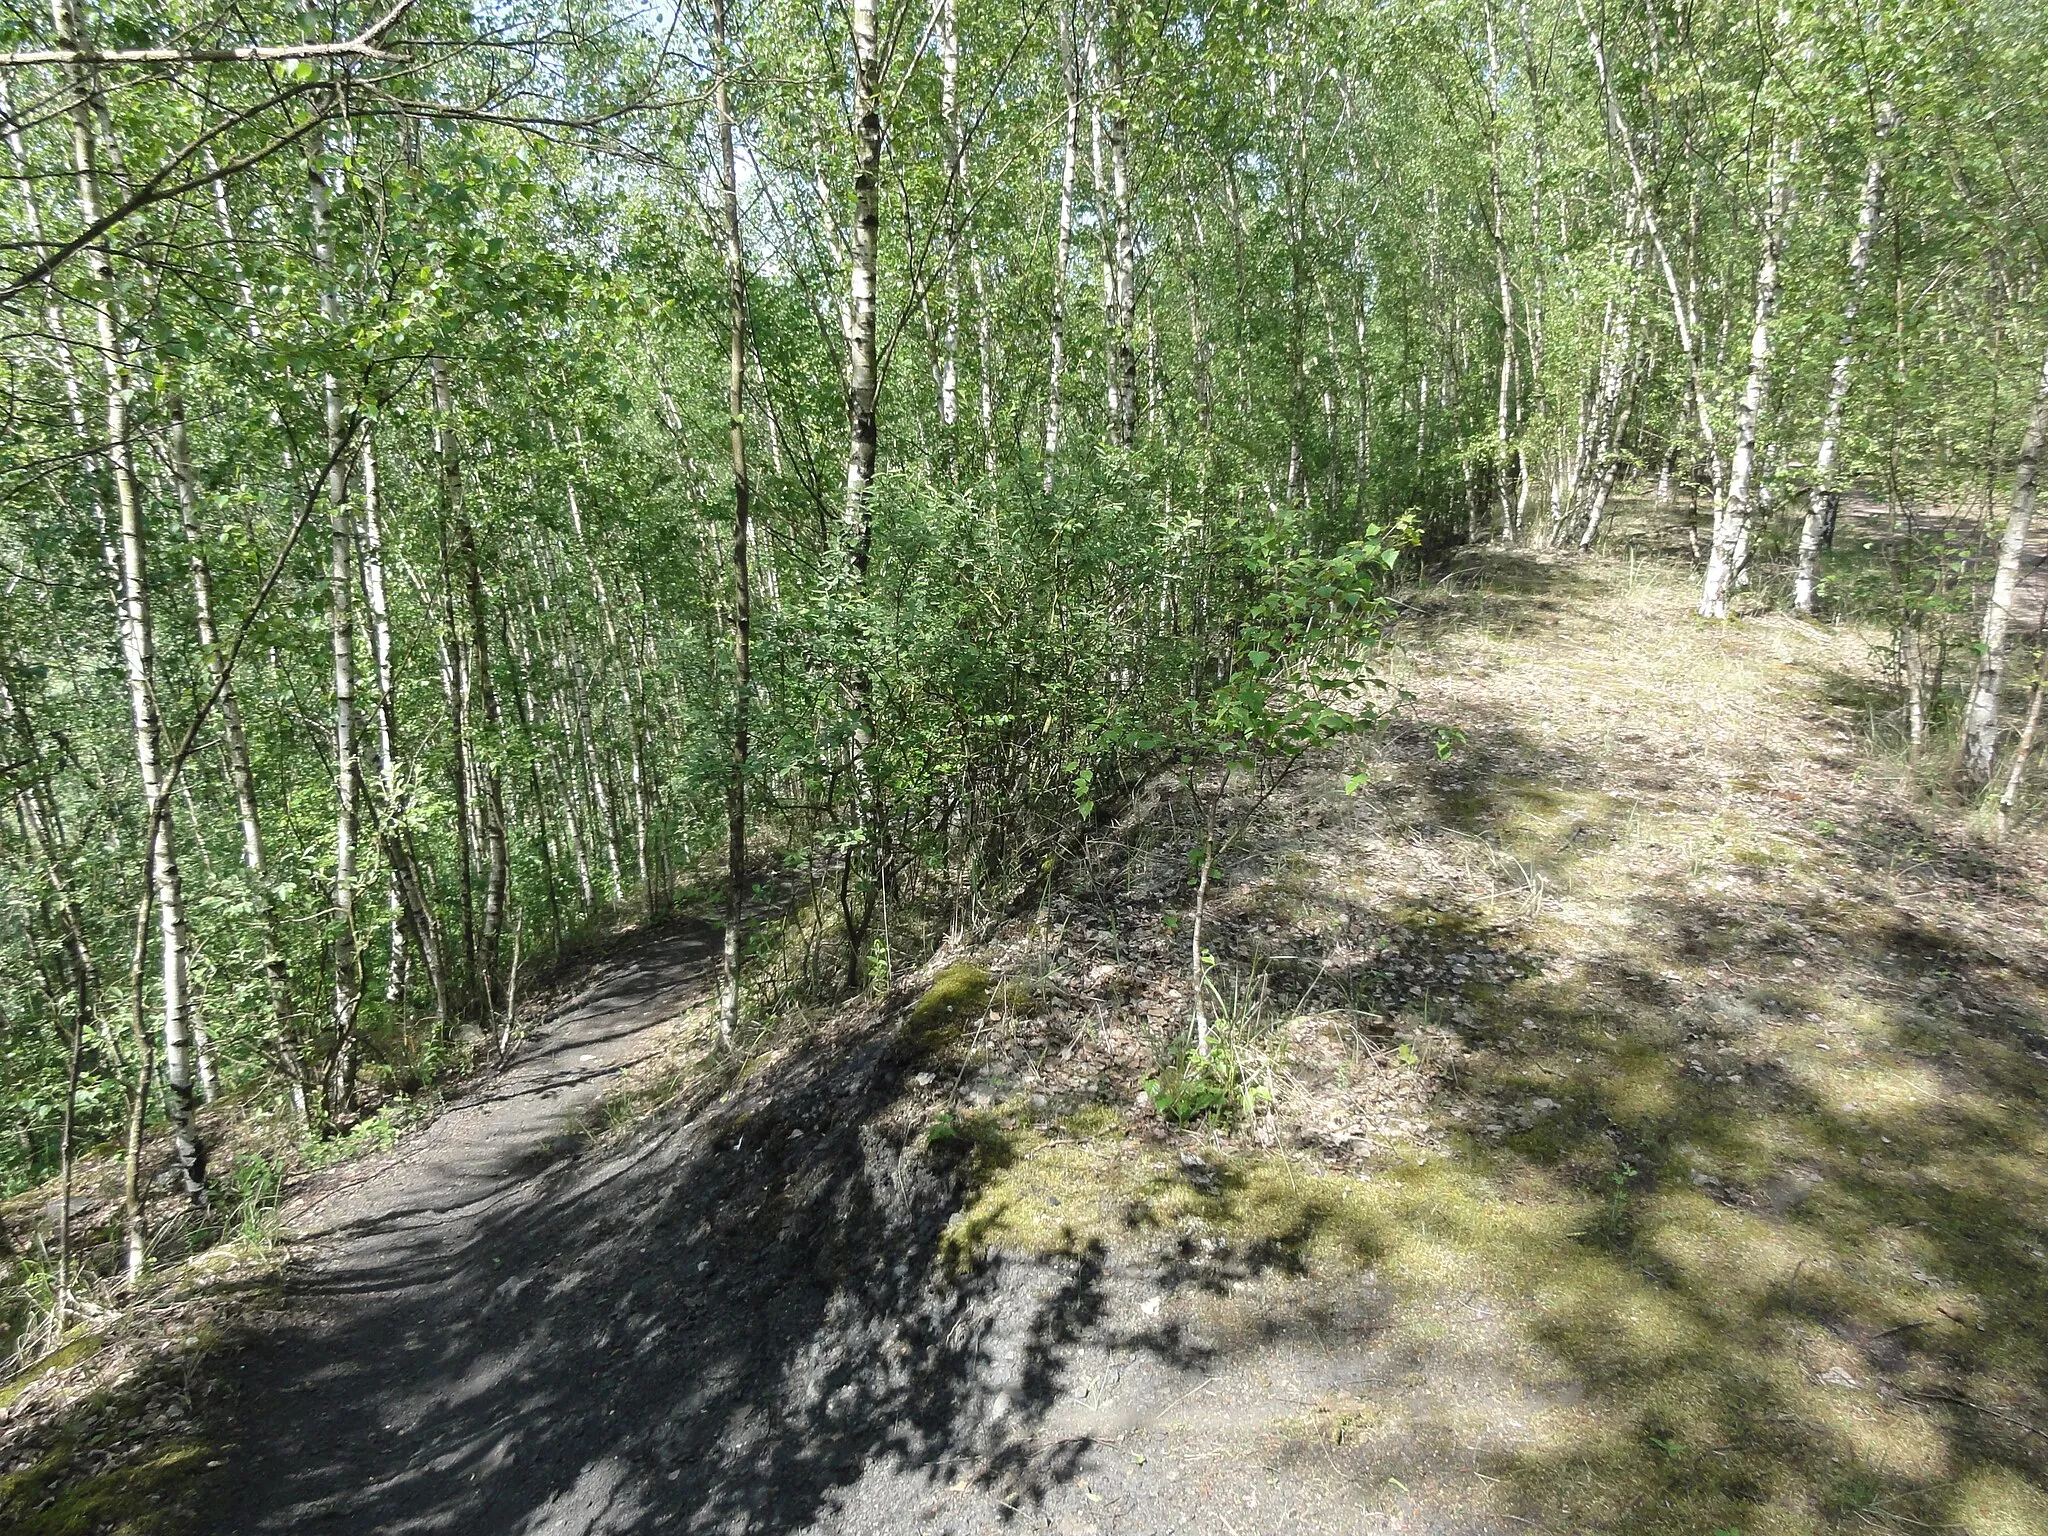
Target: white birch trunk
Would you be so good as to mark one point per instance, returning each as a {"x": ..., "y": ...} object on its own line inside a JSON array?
[
  {"x": 956, "y": 177},
  {"x": 1063, "y": 238},
  {"x": 742, "y": 611},
  {"x": 136, "y": 626},
  {"x": 1731, "y": 530},
  {"x": 862, "y": 271},
  {"x": 1824, "y": 502},
  {"x": 376, "y": 599},
  {"x": 1980, "y": 719},
  {"x": 341, "y": 630}
]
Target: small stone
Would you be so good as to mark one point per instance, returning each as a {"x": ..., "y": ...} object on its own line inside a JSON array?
[
  {"x": 1150, "y": 1305},
  {"x": 1835, "y": 1376}
]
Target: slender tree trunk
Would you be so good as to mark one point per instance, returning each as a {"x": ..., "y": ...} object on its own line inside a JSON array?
[
  {"x": 1497, "y": 234},
  {"x": 1684, "y": 309},
  {"x": 523, "y": 711},
  {"x": 340, "y": 1085},
  {"x": 863, "y": 438},
  {"x": 484, "y": 772},
  {"x": 285, "y": 1047},
  {"x": 39, "y": 824},
  {"x": 1731, "y": 533},
  {"x": 377, "y": 601},
  {"x": 742, "y": 609},
  {"x": 1980, "y": 720},
  {"x": 956, "y": 178},
  {"x": 455, "y": 689},
  {"x": 632, "y": 690},
  {"x": 862, "y": 270},
  {"x": 2016, "y": 776},
  {"x": 134, "y": 1194},
  {"x": 1825, "y": 500},
  {"x": 135, "y": 622},
  {"x": 1125, "y": 338},
  {"x": 1063, "y": 239},
  {"x": 1594, "y": 464},
  {"x": 1201, "y": 351},
  {"x": 1119, "y": 241}
]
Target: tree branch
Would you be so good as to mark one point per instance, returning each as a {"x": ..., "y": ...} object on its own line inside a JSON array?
[{"x": 364, "y": 45}]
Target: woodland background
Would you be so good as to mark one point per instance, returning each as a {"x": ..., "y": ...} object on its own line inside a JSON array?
[{"x": 475, "y": 477}]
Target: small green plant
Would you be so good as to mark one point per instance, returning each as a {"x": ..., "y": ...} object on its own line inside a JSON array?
[
  {"x": 1613, "y": 1223},
  {"x": 1225, "y": 1083},
  {"x": 1618, "y": 1200},
  {"x": 252, "y": 1190},
  {"x": 379, "y": 1133},
  {"x": 944, "y": 1128}
]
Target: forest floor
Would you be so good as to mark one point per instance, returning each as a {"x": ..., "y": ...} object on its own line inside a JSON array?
[{"x": 1657, "y": 1144}]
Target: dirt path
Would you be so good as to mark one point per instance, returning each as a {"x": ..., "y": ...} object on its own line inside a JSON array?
[
  {"x": 1658, "y": 1150},
  {"x": 392, "y": 1259},
  {"x": 743, "y": 1322}
]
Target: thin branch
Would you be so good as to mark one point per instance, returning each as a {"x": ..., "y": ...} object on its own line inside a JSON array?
[
  {"x": 160, "y": 189},
  {"x": 364, "y": 45}
]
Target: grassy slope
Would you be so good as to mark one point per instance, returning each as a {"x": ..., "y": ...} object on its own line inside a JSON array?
[
  {"x": 1666, "y": 1086},
  {"x": 1721, "y": 1207}
]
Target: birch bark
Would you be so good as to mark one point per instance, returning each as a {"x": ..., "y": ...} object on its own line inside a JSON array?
[
  {"x": 742, "y": 608},
  {"x": 1825, "y": 500},
  {"x": 1063, "y": 239},
  {"x": 862, "y": 260},
  {"x": 1730, "y": 551},
  {"x": 241, "y": 771},
  {"x": 135, "y": 621},
  {"x": 1980, "y": 719},
  {"x": 340, "y": 1086}
]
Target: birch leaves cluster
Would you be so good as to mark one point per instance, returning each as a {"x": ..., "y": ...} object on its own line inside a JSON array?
[{"x": 476, "y": 478}]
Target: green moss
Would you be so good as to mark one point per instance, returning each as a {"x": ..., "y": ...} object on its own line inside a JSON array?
[
  {"x": 144, "y": 1498},
  {"x": 60, "y": 1359},
  {"x": 956, "y": 994}
]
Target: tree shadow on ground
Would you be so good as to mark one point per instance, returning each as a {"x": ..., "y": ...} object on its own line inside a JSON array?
[
  {"x": 1755, "y": 1152},
  {"x": 1757, "y": 1165},
  {"x": 1773, "y": 1131},
  {"x": 716, "y": 1325}
]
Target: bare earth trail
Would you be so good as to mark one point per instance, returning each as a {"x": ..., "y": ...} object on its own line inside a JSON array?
[
  {"x": 1659, "y": 1150},
  {"x": 490, "y": 1333}
]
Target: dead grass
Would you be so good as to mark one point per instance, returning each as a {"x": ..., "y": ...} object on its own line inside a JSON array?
[{"x": 1733, "y": 1113}]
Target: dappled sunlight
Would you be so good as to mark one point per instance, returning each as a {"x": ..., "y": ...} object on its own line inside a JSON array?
[{"x": 1736, "y": 1210}]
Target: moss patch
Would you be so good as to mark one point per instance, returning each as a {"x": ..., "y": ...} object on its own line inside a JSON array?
[
  {"x": 57, "y": 1360},
  {"x": 145, "y": 1498},
  {"x": 956, "y": 994}
]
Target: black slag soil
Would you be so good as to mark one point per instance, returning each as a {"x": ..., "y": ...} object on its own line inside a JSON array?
[{"x": 732, "y": 1319}]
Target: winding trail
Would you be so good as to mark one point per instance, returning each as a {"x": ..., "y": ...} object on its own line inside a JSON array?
[
  {"x": 1703, "y": 1192},
  {"x": 383, "y": 1250},
  {"x": 742, "y": 1320}
]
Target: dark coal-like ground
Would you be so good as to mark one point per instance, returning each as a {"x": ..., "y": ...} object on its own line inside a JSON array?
[{"x": 740, "y": 1319}]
